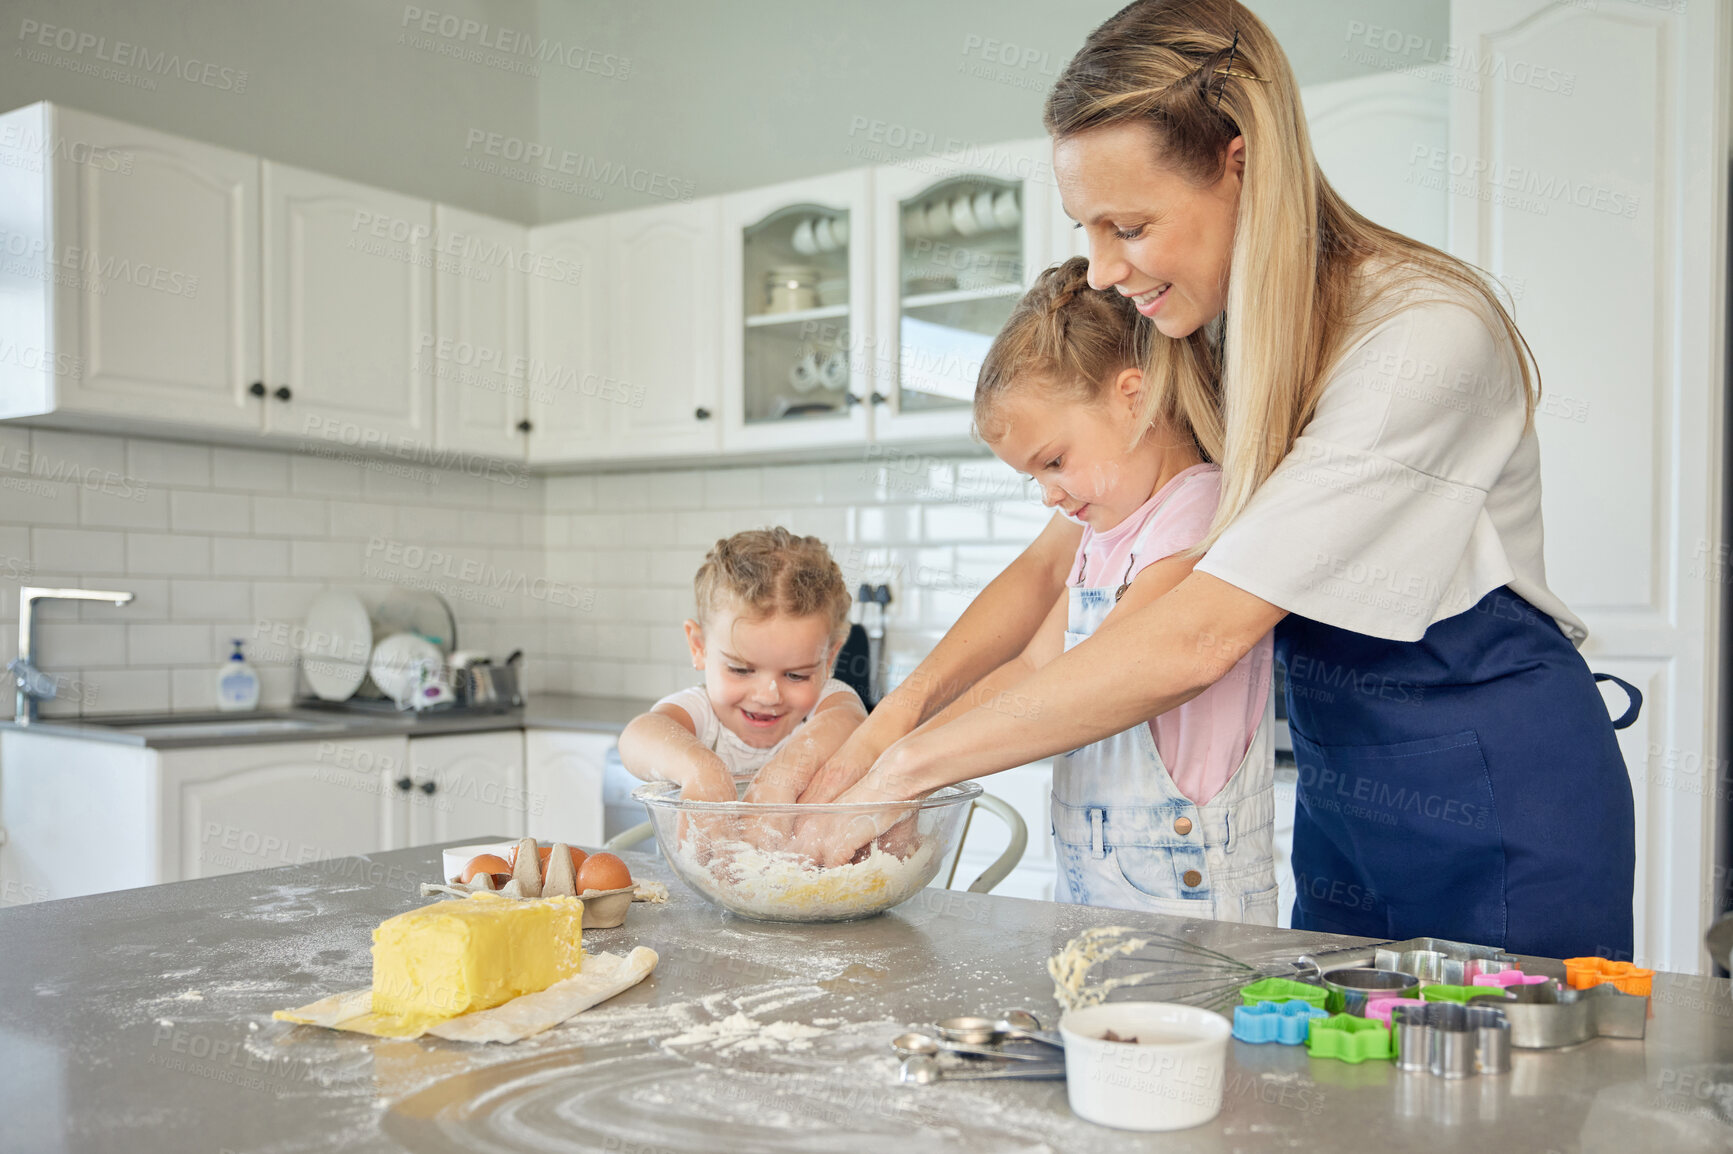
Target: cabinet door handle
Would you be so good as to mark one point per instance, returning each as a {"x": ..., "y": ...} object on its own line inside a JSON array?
[
  {"x": 282, "y": 393},
  {"x": 702, "y": 414},
  {"x": 880, "y": 399},
  {"x": 257, "y": 388},
  {"x": 428, "y": 787},
  {"x": 524, "y": 426},
  {"x": 404, "y": 784}
]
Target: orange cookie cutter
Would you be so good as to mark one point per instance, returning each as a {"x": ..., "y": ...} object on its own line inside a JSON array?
[{"x": 1587, "y": 973}]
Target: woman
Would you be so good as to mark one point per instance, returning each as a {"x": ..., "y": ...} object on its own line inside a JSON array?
[{"x": 1371, "y": 406}]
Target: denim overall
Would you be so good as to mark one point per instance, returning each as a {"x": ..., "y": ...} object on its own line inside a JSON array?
[
  {"x": 1466, "y": 786},
  {"x": 1127, "y": 838}
]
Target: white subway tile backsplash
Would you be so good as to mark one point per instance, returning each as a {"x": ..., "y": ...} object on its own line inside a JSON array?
[
  {"x": 78, "y": 550},
  {"x": 336, "y": 560},
  {"x": 195, "y": 600},
  {"x": 260, "y": 470},
  {"x": 289, "y": 517},
  {"x": 126, "y": 691},
  {"x": 168, "y": 464},
  {"x": 180, "y": 643},
  {"x": 167, "y": 553},
  {"x": 199, "y": 512},
  {"x": 329, "y": 476},
  {"x": 591, "y": 574},
  {"x": 117, "y": 503},
  {"x": 249, "y": 557}
]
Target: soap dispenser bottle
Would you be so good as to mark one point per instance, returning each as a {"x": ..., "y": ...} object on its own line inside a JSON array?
[{"x": 237, "y": 684}]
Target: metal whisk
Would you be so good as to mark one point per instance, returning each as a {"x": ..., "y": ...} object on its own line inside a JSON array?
[{"x": 1171, "y": 968}]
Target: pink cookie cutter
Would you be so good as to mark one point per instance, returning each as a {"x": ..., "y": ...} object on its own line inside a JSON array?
[
  {"x": 1380, "y": 1008},
  {"x": 1507, "y": 978}
]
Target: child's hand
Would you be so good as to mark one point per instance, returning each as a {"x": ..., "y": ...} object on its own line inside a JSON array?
[{"x": 699, "y": 834}]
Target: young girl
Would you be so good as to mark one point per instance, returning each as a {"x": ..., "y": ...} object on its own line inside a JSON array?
[
  {"x": 1175, "y": 815},
  {"x": 772, "y": 612}
]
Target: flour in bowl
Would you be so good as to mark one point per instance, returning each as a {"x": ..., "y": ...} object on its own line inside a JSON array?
[{"x": 777, "y": 885}]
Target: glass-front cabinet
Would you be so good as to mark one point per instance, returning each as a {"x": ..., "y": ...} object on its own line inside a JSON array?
[
  {"x": 797, "y": 274},
  {"x": 959, "y": 244}
]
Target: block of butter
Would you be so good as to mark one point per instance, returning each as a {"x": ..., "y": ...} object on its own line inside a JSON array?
[{"x": 452, "y": 958}]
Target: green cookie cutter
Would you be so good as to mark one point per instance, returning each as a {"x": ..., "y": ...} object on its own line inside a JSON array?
[
  {"x": 1349, "y": 1039},
  {"x": 1458, "y": 994},
  {"x": 1283, "y": 990}
]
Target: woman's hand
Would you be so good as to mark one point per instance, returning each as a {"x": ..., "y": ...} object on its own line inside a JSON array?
[
  {"x": 884, "y": 726},
  {"x": 832, "y": 839}
]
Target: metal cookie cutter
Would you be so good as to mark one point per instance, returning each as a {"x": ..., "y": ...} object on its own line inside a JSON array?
[
  {"x": 1438, "y": 960},
  {"x": 1546, "y": 1015},
  {"x": 1450, "y": 1040}
]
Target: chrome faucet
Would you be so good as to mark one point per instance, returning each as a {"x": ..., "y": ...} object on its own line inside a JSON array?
[{"x": 33, "y": 685}]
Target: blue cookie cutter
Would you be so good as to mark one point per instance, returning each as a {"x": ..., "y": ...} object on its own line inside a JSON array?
[{"x": 1284, "y": 1022}]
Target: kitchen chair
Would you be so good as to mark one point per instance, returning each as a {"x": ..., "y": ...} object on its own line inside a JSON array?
[{"x": 990, "y": 877}]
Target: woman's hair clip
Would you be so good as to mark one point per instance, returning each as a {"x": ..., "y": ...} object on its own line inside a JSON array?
[{"x": 1228, "y": 70}]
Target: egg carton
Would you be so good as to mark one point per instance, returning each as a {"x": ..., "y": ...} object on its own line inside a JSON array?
[{"x": 603, "y": 909}]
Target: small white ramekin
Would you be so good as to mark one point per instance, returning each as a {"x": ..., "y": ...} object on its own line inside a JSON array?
[{"x": 1170, "y": 1079}]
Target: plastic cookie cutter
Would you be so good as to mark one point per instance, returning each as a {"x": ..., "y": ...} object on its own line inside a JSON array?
[
  {"x": 1283, "y": 1022},
  {"x": 1506, "y": 978},
  {"x": 1458, "y": 994},
  {"x": 1282, "y": 990},
  {"x": 1586, "y": 973},
  {"x": 1348, "y": 1039},
  {"x": 1546, "y": 1015},
  {"x": 1451, "y": 1041},
  {"x": 1380, "y": 1010}
]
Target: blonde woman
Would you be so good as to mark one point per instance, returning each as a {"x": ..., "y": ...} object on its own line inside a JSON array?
[{"x": 1370, "y": 404}]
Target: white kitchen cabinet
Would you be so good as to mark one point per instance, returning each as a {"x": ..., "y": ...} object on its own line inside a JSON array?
[
  {"x": 348, "y": 302},
  {"x": 242, "y": 807},
  {"x": 465, "y": 786},
  {"x": 477, "y": 350},
  {"x": 796, "y": 314},
  {"x": 132, "y": 274},
  {"x": 563, "y": 779},
  {"x": 664, "y": 326},
  {"x": 956, "y": 243},
  {"x": 571, "y": 397}
]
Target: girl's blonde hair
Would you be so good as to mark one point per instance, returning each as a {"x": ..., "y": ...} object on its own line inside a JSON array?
[
  {"x": 766, "y": 572},
  {"x": 1066, "y": 337},
  {"x": 1199, "y": 73}
]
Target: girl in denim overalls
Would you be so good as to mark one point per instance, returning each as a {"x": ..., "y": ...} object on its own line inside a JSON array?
[{"x": 1175, "y": 814}]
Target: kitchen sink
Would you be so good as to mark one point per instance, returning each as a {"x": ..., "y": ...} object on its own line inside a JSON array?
[{"x": 227, "y": 727}]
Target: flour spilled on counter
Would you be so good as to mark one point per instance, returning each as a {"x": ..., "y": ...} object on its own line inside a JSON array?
[
  {"x": 740, "y": 1033},
  {"x": 782, "y": 886}
]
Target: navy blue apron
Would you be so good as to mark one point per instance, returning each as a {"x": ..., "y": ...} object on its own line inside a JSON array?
[{"x": 1466, "y": 786}]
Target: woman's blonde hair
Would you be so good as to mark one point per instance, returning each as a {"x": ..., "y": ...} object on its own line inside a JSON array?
[
  {"x": 1199, "y": 73},
  {"x": 1064, "y": 337},
  {"x": 766, "y": 572}
]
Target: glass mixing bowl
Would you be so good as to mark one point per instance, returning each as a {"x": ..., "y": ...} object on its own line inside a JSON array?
[{"x": 729, "y": 852}]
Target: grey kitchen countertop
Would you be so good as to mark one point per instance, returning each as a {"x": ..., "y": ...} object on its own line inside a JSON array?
[
  {"x": 140, "y": 1021},
  {"x": 540, "y": 711}
]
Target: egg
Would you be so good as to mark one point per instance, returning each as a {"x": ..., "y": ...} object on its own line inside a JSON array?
[
  {"x": 603, "y": 871},
  {"x": 485, "y": 863}
]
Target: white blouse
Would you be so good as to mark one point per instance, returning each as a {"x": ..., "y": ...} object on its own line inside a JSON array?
[
  {"x": 740, "y": 758},
  {"x": 1414, "y": 490}
]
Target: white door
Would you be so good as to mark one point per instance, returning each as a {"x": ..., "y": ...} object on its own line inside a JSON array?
[
  {"x": 163, "y": 312},
  {"x": 797, "y": 361},
  {"x": 956, "y": 243},
  {"x": 664, "y": 331},
  {"x": 571, "y": 397},
  {"x": 348, "y": 300},
  {"x": 1601, "y": 202},
  {"x": 476, "y": 349},
  {"x": 1376, "y": 138},
  {"x": 468, "y": 786},
  {"x": 563, "y": 784},
  {"x": 245, "y": 807}
]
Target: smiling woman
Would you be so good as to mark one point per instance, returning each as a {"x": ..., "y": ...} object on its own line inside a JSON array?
[{"x": 1456, "y": 760}]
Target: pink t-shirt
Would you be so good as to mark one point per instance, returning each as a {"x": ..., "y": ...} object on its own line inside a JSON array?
[{"x": 1203, "y": 741}]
